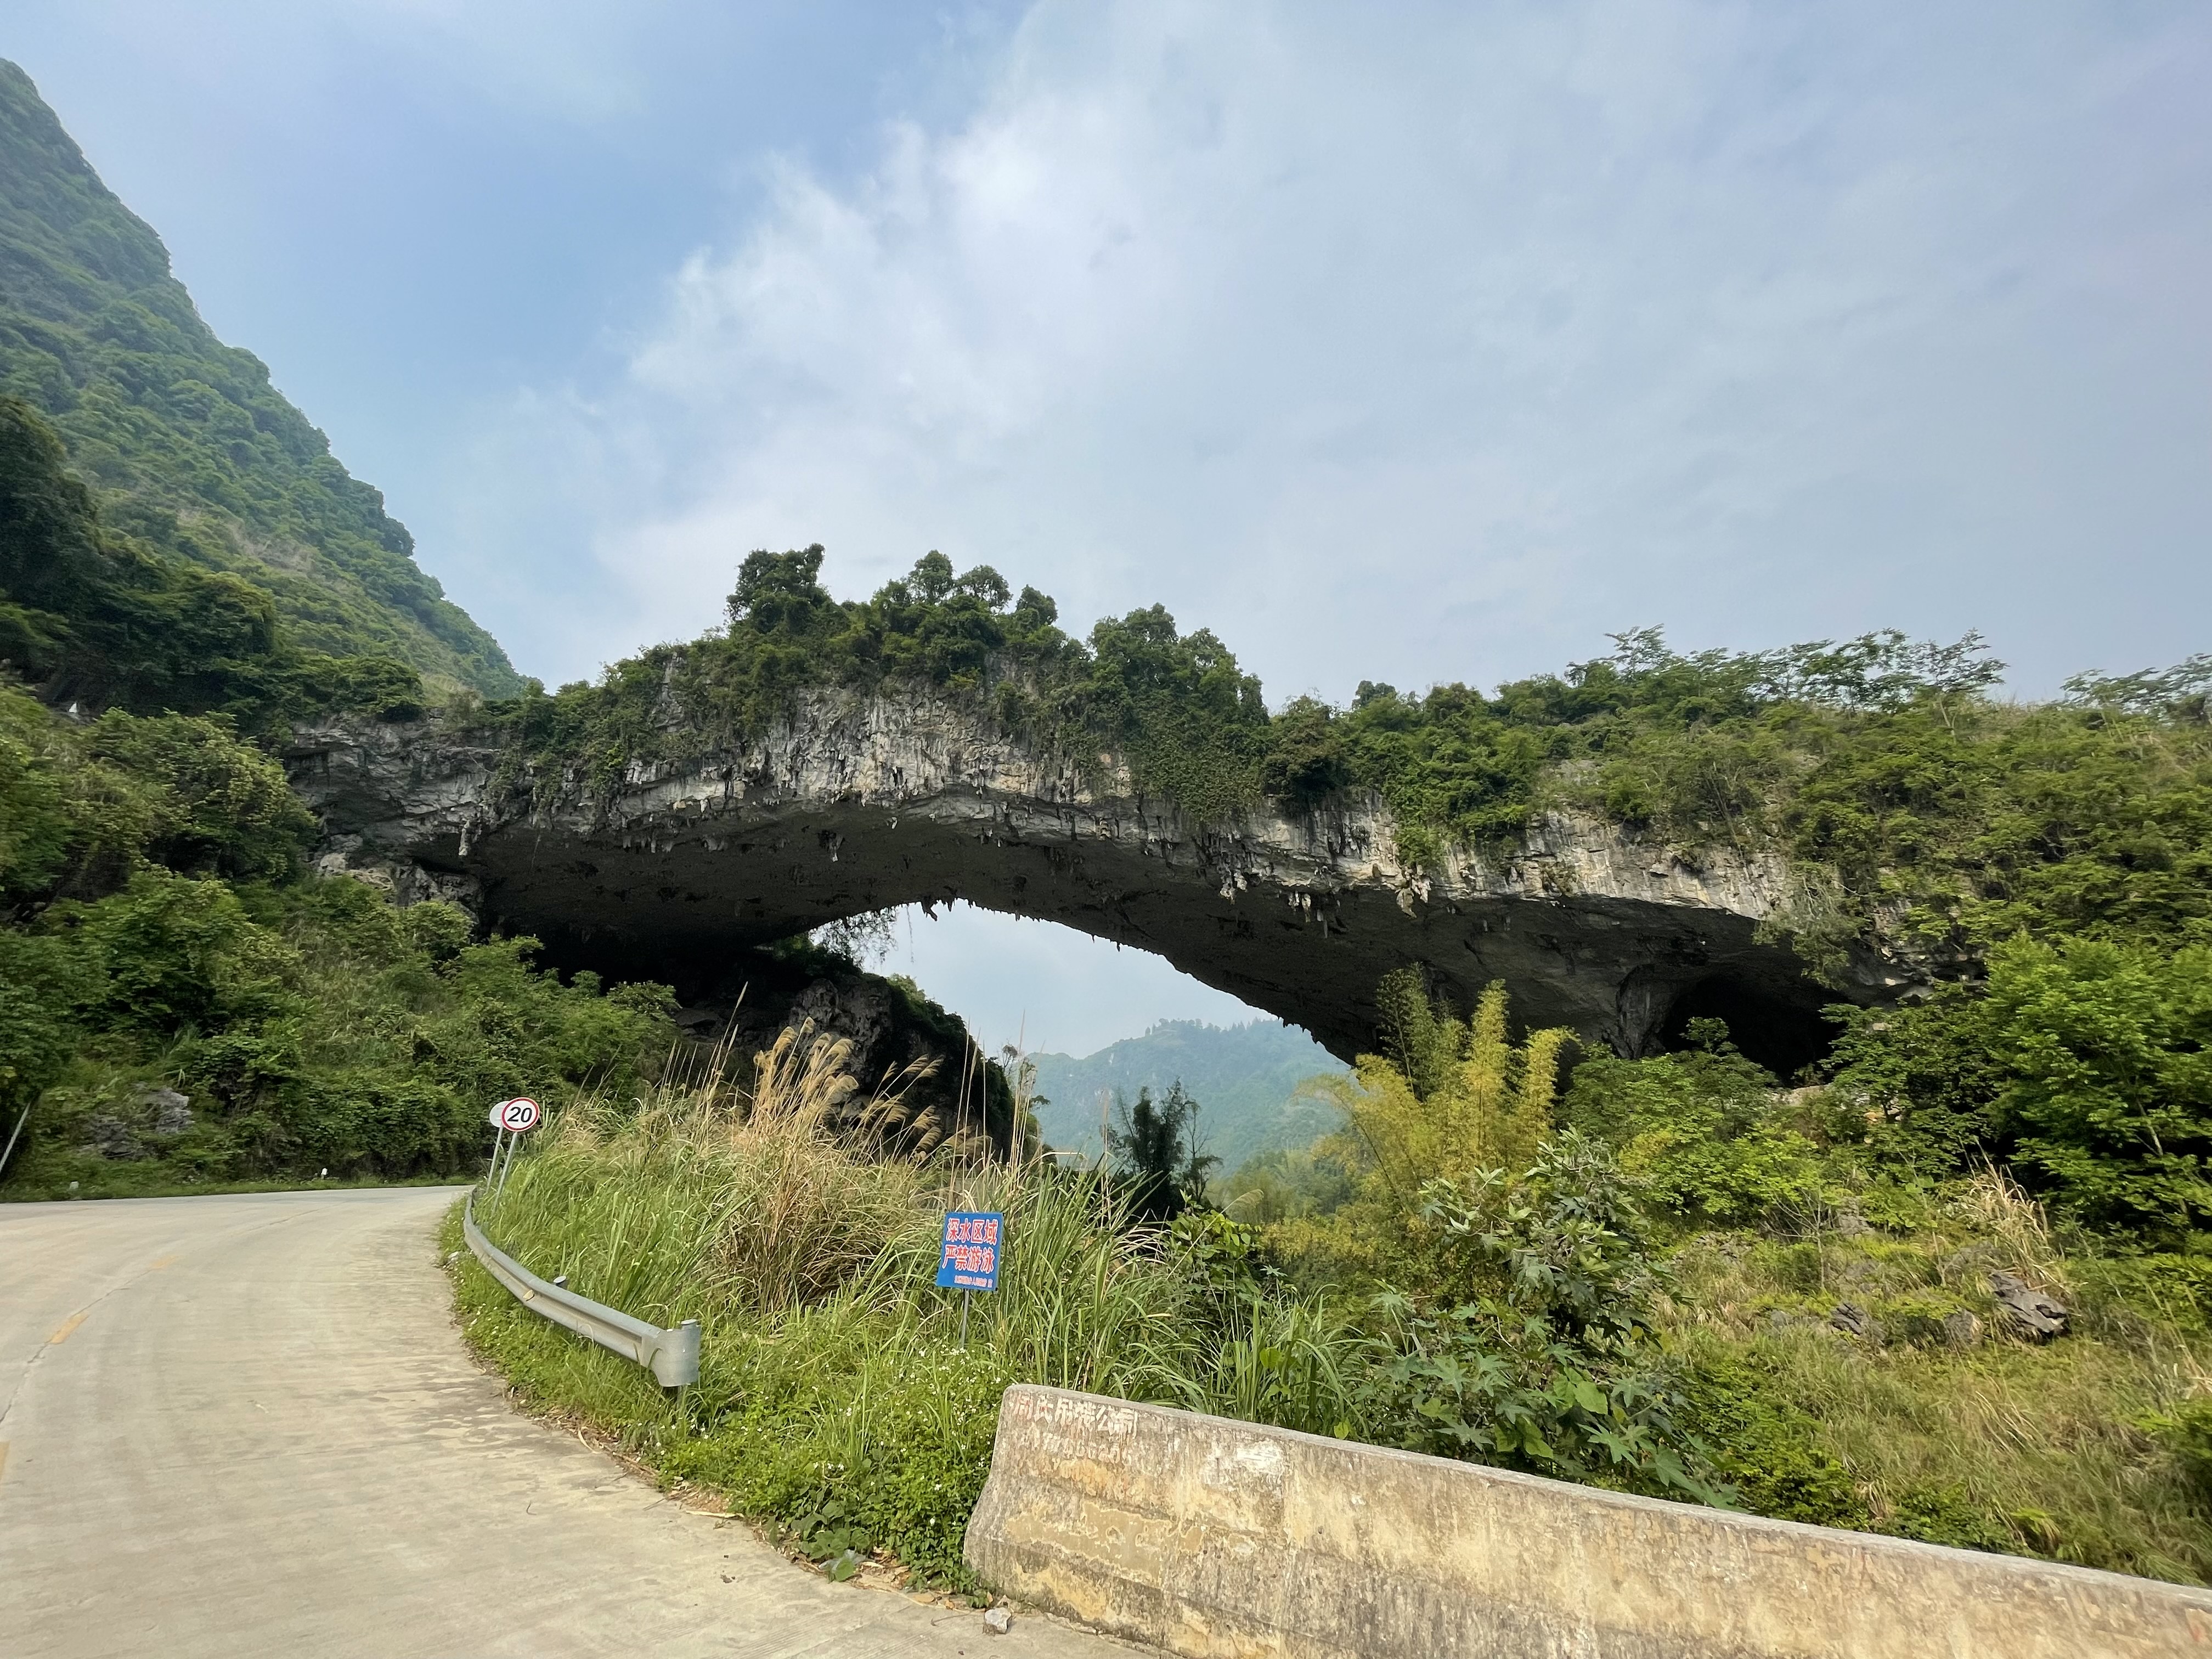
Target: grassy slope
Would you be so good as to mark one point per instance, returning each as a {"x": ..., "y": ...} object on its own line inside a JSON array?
[
  {"x": 836, "y": 1405},
  {"x": 793, "y": 1446},
  {"x": 836, "y": 1401},
  {"x": 2071, "y": 1449},
  {"x": 191, "y": 445}
]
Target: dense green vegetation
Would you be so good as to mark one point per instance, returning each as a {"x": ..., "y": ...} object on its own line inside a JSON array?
[
  {"x": 192, "y": 451},
  {"x": 97, "y": 618},
  {"x": 1803, "y": 1288},
  {"x": 162, "y": 939},
  {"x": 184, "y": 571},
  {"x": 1193, "y": 726},
  {"x": 1668, "y": 1276},
  {"x": 180, "y": 1002}
]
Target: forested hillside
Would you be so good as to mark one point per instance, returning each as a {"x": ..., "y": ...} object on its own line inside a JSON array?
[
  {"x": 1247, "y": 1079},
  {"x": 189, "y": 447},
  {"x": 183, "y": 1000},
  {"x": 180, "y": 999}
]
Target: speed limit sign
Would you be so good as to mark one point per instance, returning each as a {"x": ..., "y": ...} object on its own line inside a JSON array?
[{"x": 514, "y": 1115}]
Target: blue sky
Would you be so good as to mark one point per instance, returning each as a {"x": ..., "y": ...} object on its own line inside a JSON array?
[{"x": 1412, "y": 342}]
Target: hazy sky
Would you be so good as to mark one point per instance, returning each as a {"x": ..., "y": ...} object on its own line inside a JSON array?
[{"x": 1405, "y": 343}]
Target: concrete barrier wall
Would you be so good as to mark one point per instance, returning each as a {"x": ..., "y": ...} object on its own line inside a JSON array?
[{"x": 1204, "y": 1536}]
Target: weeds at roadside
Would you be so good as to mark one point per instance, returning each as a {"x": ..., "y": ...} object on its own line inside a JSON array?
[
  {"x": 836, "y": 1403},
  {"x": 838, "y": 1407}
]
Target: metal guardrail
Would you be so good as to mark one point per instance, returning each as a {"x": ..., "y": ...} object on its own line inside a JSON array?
[{"x": 671, "y": 1356}]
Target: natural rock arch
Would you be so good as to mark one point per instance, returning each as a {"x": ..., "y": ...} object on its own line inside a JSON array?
[{"x": 855, "y": 803}]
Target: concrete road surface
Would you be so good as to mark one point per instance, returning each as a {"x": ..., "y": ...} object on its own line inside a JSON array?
[{"x": 243, "y": 1425}]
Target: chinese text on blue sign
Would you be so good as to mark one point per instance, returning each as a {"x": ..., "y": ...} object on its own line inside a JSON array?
[{"x": 972, "y": 1242}]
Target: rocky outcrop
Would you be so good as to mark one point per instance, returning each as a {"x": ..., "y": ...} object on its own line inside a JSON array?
[
  {"x": 2027, "y": 1311},
  {"x": 121, "y": 1134},
  {"x": 857, "y": 803}
]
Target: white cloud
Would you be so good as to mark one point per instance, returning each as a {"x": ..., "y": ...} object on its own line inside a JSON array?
[{"x": 1432, "y": 344}]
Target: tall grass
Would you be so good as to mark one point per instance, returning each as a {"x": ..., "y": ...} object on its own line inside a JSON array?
[
  {"x": 839, "y": 1403},
  {"x": 2071, "y": 1450},
  {"x": 836, "y": 1399}
]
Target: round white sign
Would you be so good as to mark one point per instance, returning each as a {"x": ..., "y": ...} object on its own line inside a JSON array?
[{"x": 514, "y": 1115}]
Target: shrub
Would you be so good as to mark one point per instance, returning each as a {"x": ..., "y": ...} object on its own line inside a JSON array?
[
  {"x": 2086, "y": 1063},
  {"x": 1536, "y": 1353},
  {"x": 225, "y": 806},
  {"x": 1701, "y": 1129},
  {"x": 177, "y": 955},
  {"x": 2108, "y": 1096},
  {"x": 42, "y": 983}
]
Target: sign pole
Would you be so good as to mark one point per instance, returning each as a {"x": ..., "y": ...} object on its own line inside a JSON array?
[
  {"x": 512, "y": 1141},
  {"x": 966, "y": 1296},
  {"x": 20, "y": 1122},
  {"x": 511, "y": 1118}
]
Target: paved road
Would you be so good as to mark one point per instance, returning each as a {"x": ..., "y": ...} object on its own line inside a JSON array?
[{"x": 245, "y": 1426}]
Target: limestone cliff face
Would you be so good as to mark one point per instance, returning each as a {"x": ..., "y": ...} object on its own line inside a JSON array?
[{"x": 859, "y": 802}]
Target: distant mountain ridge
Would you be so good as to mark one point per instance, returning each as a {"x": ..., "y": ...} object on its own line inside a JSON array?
[
  {"x": 189, "y": 447},
  {"x": 1245, "y": 1079}
]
